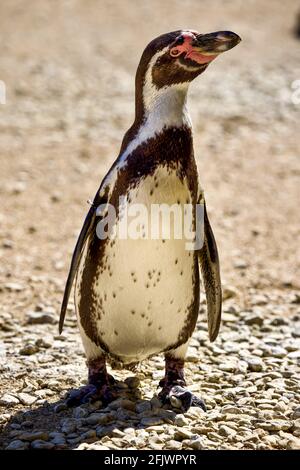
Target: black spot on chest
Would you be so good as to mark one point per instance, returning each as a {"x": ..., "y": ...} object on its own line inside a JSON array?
[{"x": 171, "y": 149}]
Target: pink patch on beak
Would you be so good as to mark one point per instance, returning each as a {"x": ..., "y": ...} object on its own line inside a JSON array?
[
  {"x": 200, "y": 58},
  {"x": 190, "y": 52}
]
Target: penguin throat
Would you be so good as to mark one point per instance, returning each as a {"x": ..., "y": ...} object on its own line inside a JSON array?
[{"x": 165, "y": 107}]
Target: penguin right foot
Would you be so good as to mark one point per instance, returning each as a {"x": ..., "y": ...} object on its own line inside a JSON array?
[
  {"x": 91, "y": 393},
  {"x": 100, "y": 386}
]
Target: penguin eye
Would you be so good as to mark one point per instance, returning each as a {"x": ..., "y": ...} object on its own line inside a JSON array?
[
  {"x": 175, "y": 51},
  {"x": 180, "y": 41}
]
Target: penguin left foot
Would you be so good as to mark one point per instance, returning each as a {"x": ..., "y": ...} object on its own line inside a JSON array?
[
  {"x": 173, "y": 385},
  {"x": 180, "y": 397}
]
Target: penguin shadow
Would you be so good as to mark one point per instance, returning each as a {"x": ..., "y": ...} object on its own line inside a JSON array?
[{"x": 56, "y": 426}]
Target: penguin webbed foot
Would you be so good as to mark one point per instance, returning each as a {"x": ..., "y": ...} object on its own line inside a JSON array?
[
  {"x": 180, "y": 398},
  {"x": 100, "y": 386},
  {"x": 91, "y": 393},
  {"x": 174, "y": 391}
]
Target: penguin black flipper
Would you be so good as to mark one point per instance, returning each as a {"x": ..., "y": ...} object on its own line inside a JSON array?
[
  {"x": 210, "y": 270},
  {"x": 83, "y": 236}
]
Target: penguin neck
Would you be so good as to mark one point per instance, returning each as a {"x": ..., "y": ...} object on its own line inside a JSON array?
[
  {"x": 156, "y": 111},
  {"x": 163, "y": 107}
]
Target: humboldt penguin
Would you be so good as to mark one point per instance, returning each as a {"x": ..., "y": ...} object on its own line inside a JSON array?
[{"x": 137, "y": 296}]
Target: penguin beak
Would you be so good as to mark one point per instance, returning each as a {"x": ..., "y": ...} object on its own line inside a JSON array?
[
  {"x": 215, "y": 43},
  {"x": 207, "y": 47}
]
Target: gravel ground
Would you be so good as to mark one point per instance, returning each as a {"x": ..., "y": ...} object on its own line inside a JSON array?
[
  {"x": 68, "y": 70},
  {"x": 250, "y": 384}
]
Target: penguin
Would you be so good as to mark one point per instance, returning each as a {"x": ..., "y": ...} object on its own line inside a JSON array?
[{"x": 139, "y": 296}]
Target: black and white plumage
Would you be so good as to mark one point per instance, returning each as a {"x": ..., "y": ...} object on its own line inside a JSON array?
[{"x": 138, "y": 297}]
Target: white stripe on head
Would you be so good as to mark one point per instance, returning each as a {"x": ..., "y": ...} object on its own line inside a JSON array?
[{"x": 166, "y": 106}]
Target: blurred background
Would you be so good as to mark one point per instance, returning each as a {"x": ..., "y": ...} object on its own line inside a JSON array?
[
  {"x": 69, "y": 66},
  {"x": 68, "y": 69}
]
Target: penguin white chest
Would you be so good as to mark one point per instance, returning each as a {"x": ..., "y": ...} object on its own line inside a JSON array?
[{"x": 145, "y": 286}]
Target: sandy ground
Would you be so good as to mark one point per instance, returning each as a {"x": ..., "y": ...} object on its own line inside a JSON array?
[{"x": 69, "y": 72}]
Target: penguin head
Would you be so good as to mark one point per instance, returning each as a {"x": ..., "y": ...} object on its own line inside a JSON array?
[{"x": 180, "y": 56}]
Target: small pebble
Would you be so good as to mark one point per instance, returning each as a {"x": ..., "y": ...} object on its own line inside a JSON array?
[
  {"x": 17, "y": 445},
  {"x": 42, "y": 445},
  {"x": 39, "y": 318},
  {"x": 9, "y": 400}
]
